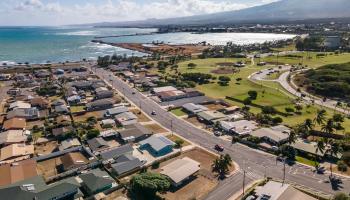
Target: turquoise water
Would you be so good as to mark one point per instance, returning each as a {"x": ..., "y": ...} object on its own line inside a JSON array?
[
  {"x": 39, "y": 45},
  {"x": 59, "y": 44}
]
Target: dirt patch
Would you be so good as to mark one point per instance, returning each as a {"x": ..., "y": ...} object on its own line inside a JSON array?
[
  {"x": 201, "y": 184},
  {"x": 49, "y": 168},
  {"x": 117, "y": 193},
  {"x": 84, "y": 117},
  {"x": 186, "y": 49},
  {"x": 215, "y": 106},
  {"x": 194, "y": 121},
  {"x": 46, "y": 148},
  {"x": 224, "y": 70},
  {"x": 140, "y": 115},
  {"x": 155, "y": 128},
  {"x": 225, "y": 64},
  {"x": 31, "y": 124}
]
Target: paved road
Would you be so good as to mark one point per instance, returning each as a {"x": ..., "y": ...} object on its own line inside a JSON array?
[
  {"x": 257, "y": 163},
  {"x": 283, "y": 81}
]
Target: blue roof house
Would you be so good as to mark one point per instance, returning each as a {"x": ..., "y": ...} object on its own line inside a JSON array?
[{"x": 157, "y": 145}]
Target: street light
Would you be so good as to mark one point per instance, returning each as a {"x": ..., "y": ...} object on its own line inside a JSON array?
[{"x": 244, "y": 172}]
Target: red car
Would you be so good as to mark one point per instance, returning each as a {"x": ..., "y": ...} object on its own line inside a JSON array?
[{"x": 219, "y": 148}]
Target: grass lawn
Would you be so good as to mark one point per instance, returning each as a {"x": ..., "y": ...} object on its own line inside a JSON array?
[
  {"x": 178, "y": 112},
  {"x": 305, "y": 161},
  {"x": 269, "y": 93},
  {"x": 75, "y": 109},
  {"x": 174, "y": 138},
  {"x": 313, "y": 62}
]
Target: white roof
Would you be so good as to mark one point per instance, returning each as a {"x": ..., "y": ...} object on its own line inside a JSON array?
[
  {"x": 195, "y": 108},
  {"x": 108, "y": 121},
  {"x": 180, "y": 169},
  {"x": 13, "y": 136},
  {"x": 164, "y": 89},
  {"x": 240, "y": 127},
  {"x": 19, "y": 104},
  {"x": 273, "y": 134}
]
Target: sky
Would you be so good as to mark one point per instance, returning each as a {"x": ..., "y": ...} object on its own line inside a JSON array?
[{"x": 65, "y": 12}]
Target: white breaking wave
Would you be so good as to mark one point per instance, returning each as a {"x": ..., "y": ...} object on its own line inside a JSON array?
[{"x": 80, "y": 33}]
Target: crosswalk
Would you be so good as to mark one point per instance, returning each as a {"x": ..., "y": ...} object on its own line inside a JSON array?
[{"x": 252, "y": 175}]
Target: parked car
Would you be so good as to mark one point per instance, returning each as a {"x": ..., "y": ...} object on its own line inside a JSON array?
[
  {"x": 153, "y": 113},
  {"x": 219, "y": 148}
]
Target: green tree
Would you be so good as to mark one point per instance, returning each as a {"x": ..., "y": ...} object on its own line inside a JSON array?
[
  {"x": 92, "y": 133},
  {"x": 287, "y": 152},
  {"x": 148, "y": 184},
  {"x": 269, "y": 110},
  {"x": 341, "y": 196},
  {"x": 328, "y": 127},
  {"x": 222, "y": 165},
  {"x": 247, "y": 101},
  {"x": 320, "y": 117},
  {"x": 253, "y": 94},
  {"x": 191, "y": 65},
  {"x": 179, "y": 143}
]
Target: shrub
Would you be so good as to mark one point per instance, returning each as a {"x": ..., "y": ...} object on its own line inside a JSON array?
[
  {"x": 179, "y": 143},
  {"x": 277, "y": 120},
  {"x": 269, "y": 110},
  {"x": 289, "y": 110},
  {"x": 155, "y": 165},
  {"x": 342, "y": 166},
  {"x": 253, "y": 94}
]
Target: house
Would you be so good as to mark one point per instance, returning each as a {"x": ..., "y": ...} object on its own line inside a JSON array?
[
  {"x": 39, "y": 102},
  {"x": 134, "y": 133},
  {"x": 82, "y": 85},
  {"x": 74, "y": 99},
  {"x": 117, "y": 152},
  {"x": 211, "y": 117},
  {"x": 275, "y": 135},
  {"x": 96, "y": 181},
  {"x": 180, "y": 170},
  {"x": 17, "y": 171},
  {"x": 13, "y": 136},
  {"x": 73, "y": 160},
  {"x": 242, "y": 127},
  {"x": 58, "y": 102},
  {"x": 69, "y": 143},
  {"x": 126, "y": 164},
  {"x": 163, "y": 89},
  {"x": 194, "y": 108},
  {"x": 97, "y": 144},
  {"x": 61, "y": 131},
  {"x": 26, "y": 113},
  {"x": 171, "y": 95},
  {"x": 36, "y": 188},
  {"x": 42, "y": 73},
  {"x": 104, "y": 94},
  {"x": 279, "y": 191},
  {"x": 19, "y": 105},
  {"x": 107, "y": 123},
  {"x": 115, "y": 111},
  {"x": 157, "y": 145},
  {"x": 16, "y": 152},
  {"x": 101, "y": 104},
  {"x": 126, "y": 118},
  {"x": 306, "y": 147},
  {"x": 108, "y": 133},
  {"x": 62, "y": 109},
  {"x": 14, "y": 124},
  {"x": 191, "y": 92}
]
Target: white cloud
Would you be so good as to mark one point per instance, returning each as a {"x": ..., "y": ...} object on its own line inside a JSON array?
[{"x": 119, "y": 10}]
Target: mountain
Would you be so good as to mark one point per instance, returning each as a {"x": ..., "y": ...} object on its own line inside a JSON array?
[{"x": 280, "y": 11}]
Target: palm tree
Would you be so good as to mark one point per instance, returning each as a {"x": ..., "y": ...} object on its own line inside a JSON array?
[
  {"x": 333, "y": 150},
  {"x": 320, "y": 117},
  {"x": 222, "y": 164},
  {"x": 328, "y": 127},
  {"x": 292, "y": 137}
]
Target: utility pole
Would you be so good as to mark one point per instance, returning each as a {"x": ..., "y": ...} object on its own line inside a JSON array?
[
  {"x": 171, "y": 127},
  {"x": 284, "y": 171},
  {"x": 244, "y": 172}
]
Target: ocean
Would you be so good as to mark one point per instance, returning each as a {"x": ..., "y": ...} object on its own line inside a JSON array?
[{"x": 60, "y": 44}]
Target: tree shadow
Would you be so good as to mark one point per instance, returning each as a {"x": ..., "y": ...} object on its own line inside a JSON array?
[{"x": 336, "y": 183}]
